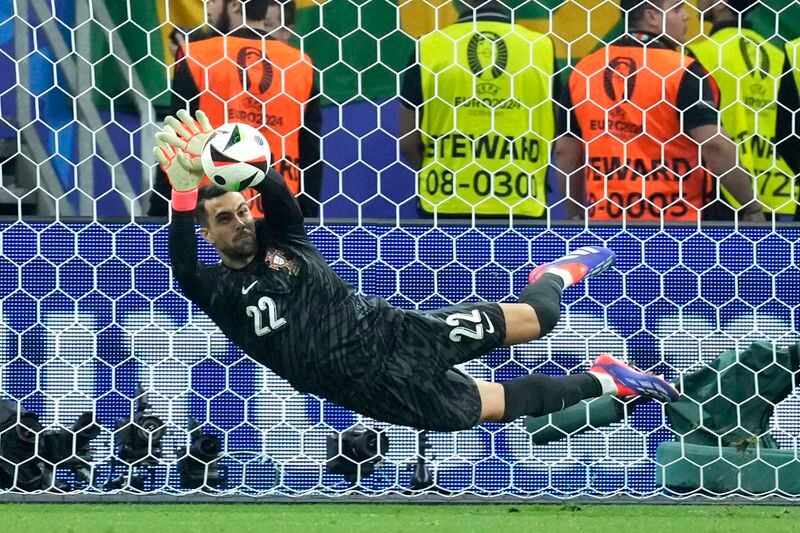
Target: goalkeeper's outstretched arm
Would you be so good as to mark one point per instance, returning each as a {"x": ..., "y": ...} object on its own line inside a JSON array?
[
  {"x": 177, "y": 149},
  {"x": 282, "y": 213},
  {"x": 192, "y": 276}
]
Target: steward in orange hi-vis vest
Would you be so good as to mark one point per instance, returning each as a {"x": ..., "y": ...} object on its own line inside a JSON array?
[
  {"x": 248, "y": 78},
  {"x": 633, "y": 103}
]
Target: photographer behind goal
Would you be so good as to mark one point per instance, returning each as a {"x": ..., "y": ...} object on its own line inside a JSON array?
[{"x": 274, "y": 296}]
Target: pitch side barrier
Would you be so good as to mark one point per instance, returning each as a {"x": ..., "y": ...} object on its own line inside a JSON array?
[{"x": 92, "y": 321}]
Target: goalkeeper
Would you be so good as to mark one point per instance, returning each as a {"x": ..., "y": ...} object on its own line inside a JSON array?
[{"x": 274, "y": 296}]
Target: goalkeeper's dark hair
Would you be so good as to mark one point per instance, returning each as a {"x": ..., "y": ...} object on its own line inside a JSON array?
[{"x": 206, "y": 192}]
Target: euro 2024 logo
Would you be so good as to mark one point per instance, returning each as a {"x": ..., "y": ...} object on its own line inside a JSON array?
[
  {"x": 758, "y": 64},
  {"x": 487, "y": 55},
  {"x": 257, "y": 75}
]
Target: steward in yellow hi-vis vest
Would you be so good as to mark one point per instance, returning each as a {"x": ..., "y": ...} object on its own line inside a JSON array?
[
  {"x": 793, "y": 55},
  {"x": 748, "y": 70},
  {"x": 788, "y": 132},
  {"x": 486, "y": 119}
]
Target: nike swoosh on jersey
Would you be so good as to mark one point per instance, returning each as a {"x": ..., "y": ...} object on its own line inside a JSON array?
[
  {"x": 247, "y": 289},
  {"x": 490, "y": 325}
]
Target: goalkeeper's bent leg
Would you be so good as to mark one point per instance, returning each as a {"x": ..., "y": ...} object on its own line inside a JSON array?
[
  {"x": 537, "y": 313},
  {"x": 548, "y": 280},
  {"x": 544, "y": 295}
]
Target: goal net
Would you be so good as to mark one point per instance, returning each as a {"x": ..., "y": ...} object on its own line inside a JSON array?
[{"x": 92, "y": 321}]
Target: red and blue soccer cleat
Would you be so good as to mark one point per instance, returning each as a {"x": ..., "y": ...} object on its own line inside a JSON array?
[
  {"x": 633, "y": 382},
  {"x": 585, "y": 262}
]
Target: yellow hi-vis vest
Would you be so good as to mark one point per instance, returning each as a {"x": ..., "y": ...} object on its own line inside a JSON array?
[
  {"x": 793, "y": 52},
  {"x": 487, "y": 119},
  {"x": 747, "y": 70}
]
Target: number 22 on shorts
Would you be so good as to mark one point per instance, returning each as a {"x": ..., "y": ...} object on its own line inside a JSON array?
[{"x": 460, "y": 330}]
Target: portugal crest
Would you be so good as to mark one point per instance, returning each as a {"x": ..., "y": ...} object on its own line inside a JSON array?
[{"x": 277, "y": 260}]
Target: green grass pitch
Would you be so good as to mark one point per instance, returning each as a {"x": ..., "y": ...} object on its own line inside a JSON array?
[{"x": 407, "y": 518}]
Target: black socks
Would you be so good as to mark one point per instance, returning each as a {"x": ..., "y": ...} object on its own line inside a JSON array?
[
  {"x": 544, "y": 295},
  {"x": 538, "y": 394}
]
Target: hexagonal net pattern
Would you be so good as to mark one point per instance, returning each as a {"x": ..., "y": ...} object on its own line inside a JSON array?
[{"x": 435, "y": 159}]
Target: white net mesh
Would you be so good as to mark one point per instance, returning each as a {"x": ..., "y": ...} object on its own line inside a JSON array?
[{"x": 92, "y": 321}]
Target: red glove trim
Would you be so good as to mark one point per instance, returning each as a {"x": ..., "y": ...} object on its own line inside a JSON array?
[{"x": 184, "y": 200}]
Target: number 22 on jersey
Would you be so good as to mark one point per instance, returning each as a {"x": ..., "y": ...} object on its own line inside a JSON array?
[{"x": 266, "y": 309}]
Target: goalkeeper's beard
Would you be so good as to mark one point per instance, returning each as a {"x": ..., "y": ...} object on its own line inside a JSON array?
[{"x": 241, "y": 247}]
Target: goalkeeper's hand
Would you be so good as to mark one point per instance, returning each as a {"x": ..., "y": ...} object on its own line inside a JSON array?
[{"x": 178, "y": 148}]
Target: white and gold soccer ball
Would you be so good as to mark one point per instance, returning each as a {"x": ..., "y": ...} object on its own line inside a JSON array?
[{"x": 236, "y": 157}]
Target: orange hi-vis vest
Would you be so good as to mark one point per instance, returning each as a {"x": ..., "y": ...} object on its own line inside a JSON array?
[
  {"x": 260, "y": 82},
  {"x": 640, "y": 165}
]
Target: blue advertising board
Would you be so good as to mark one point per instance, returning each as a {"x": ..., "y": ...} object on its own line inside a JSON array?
[{"x": 91, "y": 310}]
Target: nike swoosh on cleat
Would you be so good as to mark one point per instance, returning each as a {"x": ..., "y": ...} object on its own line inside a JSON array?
[{"x": 246, "y": 290}]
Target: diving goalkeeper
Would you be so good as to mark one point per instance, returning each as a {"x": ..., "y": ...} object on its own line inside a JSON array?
[{"x": 274, "y": 296}]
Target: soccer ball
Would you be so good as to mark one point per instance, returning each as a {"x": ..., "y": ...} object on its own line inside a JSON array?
[{"x": 236, "y": 157}]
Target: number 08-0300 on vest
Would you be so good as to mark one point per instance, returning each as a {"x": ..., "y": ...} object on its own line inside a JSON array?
[{"x": 487, "y": 122}]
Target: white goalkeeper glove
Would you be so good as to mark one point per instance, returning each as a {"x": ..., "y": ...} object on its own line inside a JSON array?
[{"x": 178, "y": 148}]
